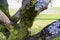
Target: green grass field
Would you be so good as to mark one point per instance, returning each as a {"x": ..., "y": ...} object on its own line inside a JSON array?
[{"x": 43, "y": 20}]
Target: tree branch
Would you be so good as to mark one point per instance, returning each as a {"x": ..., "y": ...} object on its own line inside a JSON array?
[
  {"x": 4, "y": 7},
  {"x": 24, "y": 7},
  {"x": 4, "y": 19},
  {"x": 26, "y": 4},
  {"x": 27, "y": 14},
  {"x": 50, "y": 32}
]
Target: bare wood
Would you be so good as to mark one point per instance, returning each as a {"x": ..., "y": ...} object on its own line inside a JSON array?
[{"x": 4, "y": 19}]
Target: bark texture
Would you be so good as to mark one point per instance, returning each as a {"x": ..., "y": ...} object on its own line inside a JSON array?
[{"x": 25, "y": 15}]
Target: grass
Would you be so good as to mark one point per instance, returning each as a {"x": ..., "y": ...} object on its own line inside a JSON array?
[
  {"x": 43, "y": 20},
  {"x": 55, "y": 8}
]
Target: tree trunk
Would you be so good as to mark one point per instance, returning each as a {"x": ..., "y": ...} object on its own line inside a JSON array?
[{"x": 29, "y": 10}]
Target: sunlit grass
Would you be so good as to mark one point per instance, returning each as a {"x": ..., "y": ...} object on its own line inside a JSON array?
[
  {"x": 39, "y": 25},
  {"x": 48, "y": 16},
  {"x": 43, "y": 20},
  {"x": 55, "y": 8}
]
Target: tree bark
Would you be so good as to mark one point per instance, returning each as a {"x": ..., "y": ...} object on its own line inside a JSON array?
[
  {"x": 4, "y": 19},
  {"x": 29, "y": 14},
  {"x": 29, "y": 10}
]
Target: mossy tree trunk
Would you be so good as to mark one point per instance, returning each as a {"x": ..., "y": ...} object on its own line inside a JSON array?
[{"x": 26, "y": 15}]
